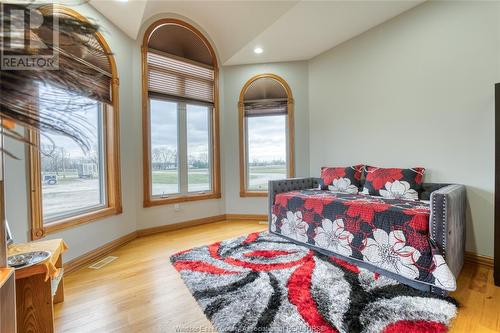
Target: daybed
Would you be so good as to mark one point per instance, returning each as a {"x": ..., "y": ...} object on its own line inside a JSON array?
[{"x": 419, "y": 243}]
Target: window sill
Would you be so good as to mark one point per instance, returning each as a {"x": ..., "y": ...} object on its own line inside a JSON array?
[
  {"x": 151, "y": 202},
  {"x": 253, "y": 194},
  {"x": 71, "y": 222}
]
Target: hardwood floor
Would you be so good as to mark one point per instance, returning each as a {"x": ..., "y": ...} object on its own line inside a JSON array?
[
  {"x": 141, "y": 292},
  {"x": 479, "y": 300}
]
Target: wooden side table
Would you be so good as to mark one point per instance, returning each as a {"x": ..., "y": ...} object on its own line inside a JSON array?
[{"x": 34, "y": 298}]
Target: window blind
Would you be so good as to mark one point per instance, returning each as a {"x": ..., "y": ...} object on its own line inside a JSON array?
[
  {"x": 266, "y": 108},
  {"x": 90, "y": 72},
  {"x": 171, "y": 76}
]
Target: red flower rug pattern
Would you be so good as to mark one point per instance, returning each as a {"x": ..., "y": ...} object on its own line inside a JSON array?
[{"x": 264, "y": 283}]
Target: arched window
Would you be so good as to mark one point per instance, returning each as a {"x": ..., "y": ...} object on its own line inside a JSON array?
[
  {"x": 266, "y": 133},
  {"x": 71, "y": 185},
  {"x": 180, "y": 115}
]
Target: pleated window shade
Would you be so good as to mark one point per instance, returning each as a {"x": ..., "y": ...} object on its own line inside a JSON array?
[
  {"x": 266, "y": 108},
  {"x": 89, "y": 62},
  {"x": 172, "y": 77}
]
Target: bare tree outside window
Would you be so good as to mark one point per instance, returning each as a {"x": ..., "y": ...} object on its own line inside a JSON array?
[{"x": 72, "y": 177}]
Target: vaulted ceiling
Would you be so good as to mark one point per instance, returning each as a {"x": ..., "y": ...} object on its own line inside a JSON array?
[{"x": 286, "y": 30}]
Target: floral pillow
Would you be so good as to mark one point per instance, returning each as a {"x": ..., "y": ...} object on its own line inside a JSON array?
[
  {"x": 344, "y": 179},
  {"x": 393, "y": 183}
]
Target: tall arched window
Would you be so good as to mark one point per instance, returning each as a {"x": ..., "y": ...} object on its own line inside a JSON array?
[
  {"x": 71, "y": 185},
  {"x": 266, "y": 133},
  {"x": 180, "y": 114}
]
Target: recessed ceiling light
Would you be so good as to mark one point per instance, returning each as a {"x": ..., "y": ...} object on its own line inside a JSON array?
[{"x": 258, "y": 50}]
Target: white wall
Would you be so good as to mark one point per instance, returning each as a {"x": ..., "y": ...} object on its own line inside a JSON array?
[
  {"x": 295, "y": 74},
  {"x": 416, "y": 91}
]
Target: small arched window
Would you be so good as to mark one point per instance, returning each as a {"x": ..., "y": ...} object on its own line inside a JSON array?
[
  {"x": 180, "y": 114},
  {"x": 266, "y": 133},
  {"x": 71, "y": 185}
]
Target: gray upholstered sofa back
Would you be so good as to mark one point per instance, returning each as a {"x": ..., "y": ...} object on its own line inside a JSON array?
[{"x": 428, "y": 188}]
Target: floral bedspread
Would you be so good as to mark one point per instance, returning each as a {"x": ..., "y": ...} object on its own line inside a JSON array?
[{"x": 391, "y": 234}]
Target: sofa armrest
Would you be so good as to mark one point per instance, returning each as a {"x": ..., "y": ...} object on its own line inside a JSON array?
[
  {"x": 447, "y": 224},
  {"x": 291, "y": 184}
]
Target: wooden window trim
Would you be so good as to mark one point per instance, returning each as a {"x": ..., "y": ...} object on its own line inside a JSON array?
[
  {"x": 112, "y": 156},
  {"x": 291, "y": 134},
  {"x": 149, "y": 199}
]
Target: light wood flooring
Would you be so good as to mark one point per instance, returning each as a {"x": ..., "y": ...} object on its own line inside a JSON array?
[{"x": 141, "y": 292}]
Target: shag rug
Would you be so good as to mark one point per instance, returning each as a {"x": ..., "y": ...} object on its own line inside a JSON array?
[{"x": 264, "y": 283}]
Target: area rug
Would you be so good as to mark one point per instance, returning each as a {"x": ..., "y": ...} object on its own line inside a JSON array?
[{"x": 264, "y": 283}]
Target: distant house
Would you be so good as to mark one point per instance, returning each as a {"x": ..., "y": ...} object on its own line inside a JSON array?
[{"x": 88, "y": 170}]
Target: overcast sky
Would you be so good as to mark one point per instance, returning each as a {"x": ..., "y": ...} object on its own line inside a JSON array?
[
  {"x": 267, "y": 138},
  {"x": 164, "y": 127},
  {"x": 82, "y": 112},
  {"x": 163, "y": 124}
]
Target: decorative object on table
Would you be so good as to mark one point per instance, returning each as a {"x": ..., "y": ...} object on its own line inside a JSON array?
[
  {"x": 50, "y": 268},
  {"x": 264, "y": 283},
  {"x": 27, "y": 259}
]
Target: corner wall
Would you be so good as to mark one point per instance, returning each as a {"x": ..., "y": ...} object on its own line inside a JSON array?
[{"x": 416, "y": 91}]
